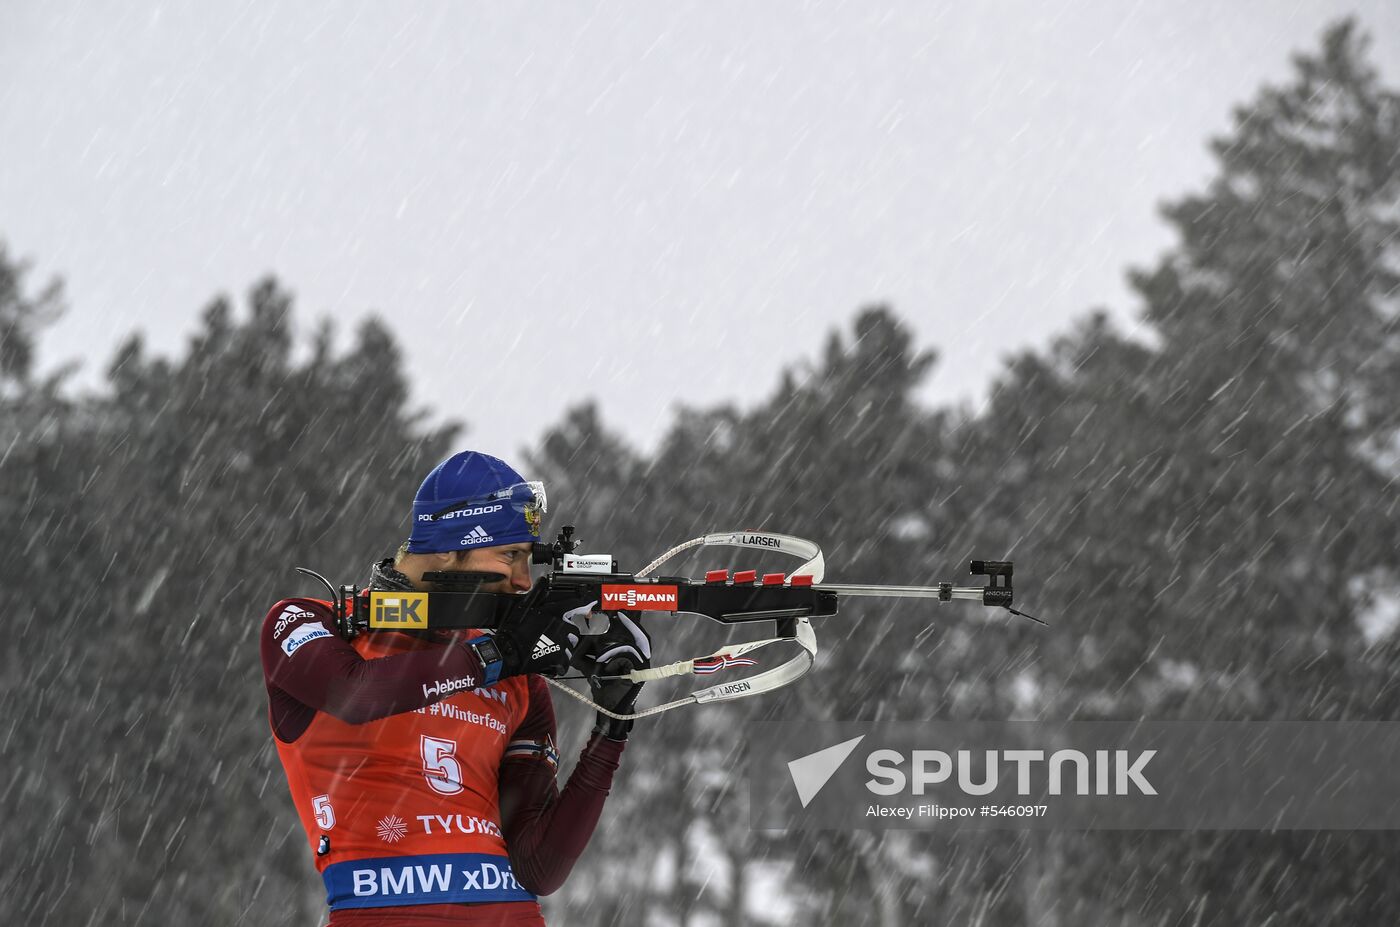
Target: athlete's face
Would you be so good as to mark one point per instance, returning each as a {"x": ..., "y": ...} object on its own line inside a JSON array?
[{"x": 511, "y": 559}]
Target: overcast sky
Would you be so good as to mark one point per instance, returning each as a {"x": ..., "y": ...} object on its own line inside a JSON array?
[{"x": 648, "y": 203}]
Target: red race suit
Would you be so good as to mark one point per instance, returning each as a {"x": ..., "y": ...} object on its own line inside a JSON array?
[{"x": 428, "y": 797}]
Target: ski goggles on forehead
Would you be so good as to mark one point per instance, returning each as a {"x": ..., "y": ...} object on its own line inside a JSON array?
[{"x": 527, "y": 498}]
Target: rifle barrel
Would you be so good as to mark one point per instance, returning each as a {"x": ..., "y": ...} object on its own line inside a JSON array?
[{"x": 973, "y": 593}]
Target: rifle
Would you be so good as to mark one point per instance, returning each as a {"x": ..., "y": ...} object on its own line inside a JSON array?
[{"x": 591, "y": 585}]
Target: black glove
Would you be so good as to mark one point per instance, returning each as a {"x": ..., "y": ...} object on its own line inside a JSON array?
[
  {"x": 623, "y": 648},
  {"x": 534, "y": 641}
]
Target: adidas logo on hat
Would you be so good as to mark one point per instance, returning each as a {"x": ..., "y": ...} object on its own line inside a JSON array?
[
  {"x": 543, "y": 647},
  {"x": 477, "y": 535}
]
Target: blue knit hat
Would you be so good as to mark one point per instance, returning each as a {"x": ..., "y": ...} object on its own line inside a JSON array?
[{"x": 474, "y": 500}]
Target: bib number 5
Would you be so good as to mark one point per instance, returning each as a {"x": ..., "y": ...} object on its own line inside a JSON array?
[
  {"x": 324, "y": 813},
  {"x": 440, "y": 765}
]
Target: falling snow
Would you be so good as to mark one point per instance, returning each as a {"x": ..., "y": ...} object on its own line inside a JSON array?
[{"x": 1199, "y": 487}]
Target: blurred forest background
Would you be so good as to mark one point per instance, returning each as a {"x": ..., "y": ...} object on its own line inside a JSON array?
[{"x": 1208, "y": 519}]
